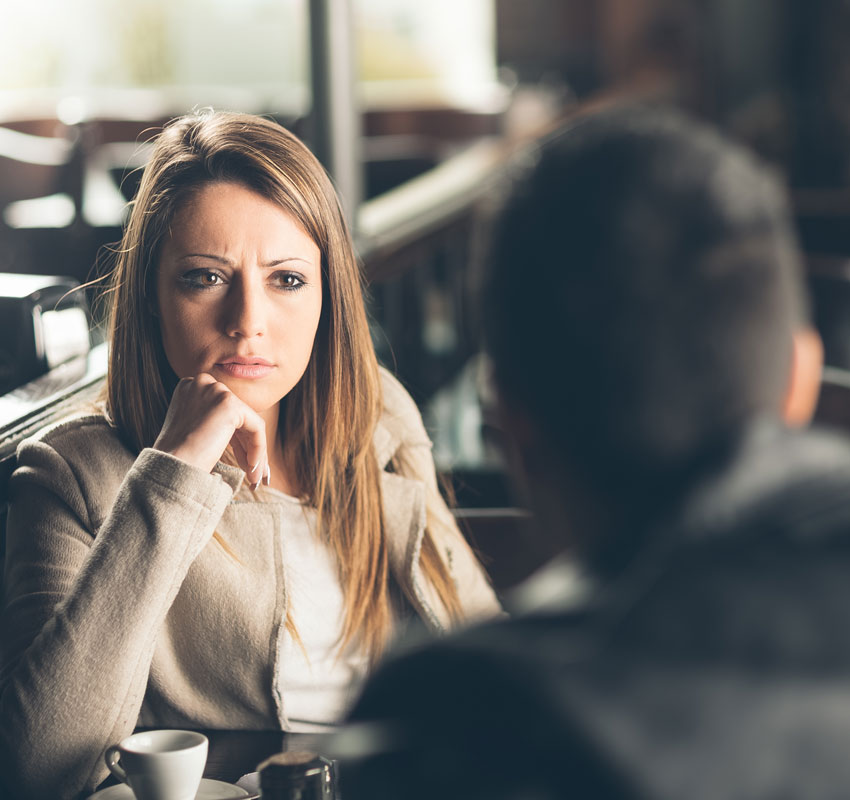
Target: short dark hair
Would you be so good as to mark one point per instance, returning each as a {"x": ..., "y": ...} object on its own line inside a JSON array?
[{"x": 642, "y": 286}]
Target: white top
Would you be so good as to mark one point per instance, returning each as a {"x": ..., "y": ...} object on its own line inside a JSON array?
[{"x": 316, "y": 681}]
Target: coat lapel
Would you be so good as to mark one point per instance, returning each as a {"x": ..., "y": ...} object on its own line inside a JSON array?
[{"x": 403, "y": 501}]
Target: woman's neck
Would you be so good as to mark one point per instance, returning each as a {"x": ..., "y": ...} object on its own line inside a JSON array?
[{"x": 281, "y": 474}]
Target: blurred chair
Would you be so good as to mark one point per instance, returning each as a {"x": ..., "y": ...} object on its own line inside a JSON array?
[
  {"x": 829, "y": 286},
  {"x": 503, "y": 539},
  {"x": 40, "y": 179},
  {"x": 822, "y": 216},
  {"x": 115, "y": 150},
  {"x": 112, "y": 174},
  {"x": 44, "y": 322},
  {"x": 833, "y": 407}
]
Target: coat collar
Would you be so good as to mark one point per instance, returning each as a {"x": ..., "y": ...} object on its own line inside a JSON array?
[
  {"x": 404, "y": 514},
  {"x": 386, "y": 442},
  {"x": 776, "y": 477}
]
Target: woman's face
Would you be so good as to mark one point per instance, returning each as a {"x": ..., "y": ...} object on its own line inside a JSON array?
[{"x": 239, "y": 293}]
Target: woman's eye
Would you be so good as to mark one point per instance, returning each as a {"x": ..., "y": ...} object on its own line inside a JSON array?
[
  {"x": 287, "y": 280},
  {"x": 202, "y": 279}
]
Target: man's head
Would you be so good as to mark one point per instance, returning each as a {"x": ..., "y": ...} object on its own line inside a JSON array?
[{"x": 641, "y": 303}]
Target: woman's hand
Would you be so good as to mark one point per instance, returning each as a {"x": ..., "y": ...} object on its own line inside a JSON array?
[{"x": 203, "y": 418}]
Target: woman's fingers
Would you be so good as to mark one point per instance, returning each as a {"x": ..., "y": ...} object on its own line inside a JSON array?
[
  {"x": 204, "y": 416},
  {"x": 241, "y": 457},
  {"x": 249, "y": 446}
]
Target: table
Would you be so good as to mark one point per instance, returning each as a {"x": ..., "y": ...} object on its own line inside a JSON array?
[{"x": 233, "y": 754}]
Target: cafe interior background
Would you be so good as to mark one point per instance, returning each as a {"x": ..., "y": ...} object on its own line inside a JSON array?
[{"x": 420, "y": 110}]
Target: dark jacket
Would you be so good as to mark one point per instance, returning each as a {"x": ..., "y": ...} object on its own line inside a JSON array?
[{"x": 717, "y": 665}]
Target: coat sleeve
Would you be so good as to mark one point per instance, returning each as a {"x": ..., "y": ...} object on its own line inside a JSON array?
[
  {"x": 83, "y": 607},
  {"x": 413, "y": 458}
]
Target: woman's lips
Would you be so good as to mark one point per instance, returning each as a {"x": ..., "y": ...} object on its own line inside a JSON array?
[{"x": 250, "y": 368}]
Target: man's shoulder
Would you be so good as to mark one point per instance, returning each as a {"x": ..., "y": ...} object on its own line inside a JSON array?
[
  {"x": 486, "y": 712},
  {"x": 481, "y": 660}
]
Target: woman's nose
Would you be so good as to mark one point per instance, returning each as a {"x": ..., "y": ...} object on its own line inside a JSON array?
[{"x": 245, "y": 318}]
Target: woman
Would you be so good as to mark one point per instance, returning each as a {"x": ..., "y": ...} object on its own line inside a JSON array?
[{"x": 234, "y": 538}]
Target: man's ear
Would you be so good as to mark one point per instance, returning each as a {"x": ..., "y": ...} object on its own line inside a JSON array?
[{"x": 801, "y": 393}]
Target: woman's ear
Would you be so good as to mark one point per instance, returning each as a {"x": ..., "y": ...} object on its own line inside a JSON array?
[{"x": 801, "y": 393}]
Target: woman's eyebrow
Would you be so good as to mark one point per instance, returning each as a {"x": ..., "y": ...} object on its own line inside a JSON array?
[
  {"x": 224, "y": 260},
  {"x": 278, "y": 261},
  {"x": 219, "y": 259}
]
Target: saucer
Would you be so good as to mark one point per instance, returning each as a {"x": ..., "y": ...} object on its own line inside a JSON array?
[{"x": 208, "y": 790}]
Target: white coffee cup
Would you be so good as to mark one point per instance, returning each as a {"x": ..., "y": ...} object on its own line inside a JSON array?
[{"x": 160, "y": 765}]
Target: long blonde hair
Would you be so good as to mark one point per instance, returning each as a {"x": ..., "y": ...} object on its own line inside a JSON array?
[{"x": 328, "y": 419}]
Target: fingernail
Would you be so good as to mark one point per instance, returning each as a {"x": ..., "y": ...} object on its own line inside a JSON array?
[
  {"x": 254, "y": 486},
  {"x": 267, "y": 476}
]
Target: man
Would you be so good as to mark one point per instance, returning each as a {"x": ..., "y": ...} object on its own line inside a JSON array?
[{"x": 648, "y": 329}]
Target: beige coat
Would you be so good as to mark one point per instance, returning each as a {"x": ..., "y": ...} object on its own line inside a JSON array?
[{"x": 121, "y": 610}]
